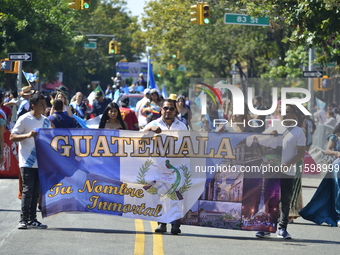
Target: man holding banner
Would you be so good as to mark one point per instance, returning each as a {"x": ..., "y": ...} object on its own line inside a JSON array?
[
  {"x": 24, "y": 133},
  {"x": 167, "y": 121},
  {"x": 293, "y": 150}
]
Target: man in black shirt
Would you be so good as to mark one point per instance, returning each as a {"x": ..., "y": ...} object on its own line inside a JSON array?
[{"x": 99, "y": 104}]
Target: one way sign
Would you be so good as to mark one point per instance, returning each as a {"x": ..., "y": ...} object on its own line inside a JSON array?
[
  {"x": 27, "y": 56},
  {"x": 312, "y": 74}
]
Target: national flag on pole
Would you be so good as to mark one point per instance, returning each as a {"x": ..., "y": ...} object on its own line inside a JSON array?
[
  {"x": 164, "y": 94},
  {"x": 30, "y": 76},
  {"x": 92, "y": 95},
  {"x": 151, "y": 77},
  {"x": 321, "y": 104}
]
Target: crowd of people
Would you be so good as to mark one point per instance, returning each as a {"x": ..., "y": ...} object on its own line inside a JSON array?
[{"x": 153, "y": 113}]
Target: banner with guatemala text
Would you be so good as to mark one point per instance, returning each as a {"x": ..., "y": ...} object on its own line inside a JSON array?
[{"x": 204, "y": 179}]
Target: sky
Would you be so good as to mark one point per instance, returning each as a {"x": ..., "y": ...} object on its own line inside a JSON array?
[{"x": 136, "y": 6}]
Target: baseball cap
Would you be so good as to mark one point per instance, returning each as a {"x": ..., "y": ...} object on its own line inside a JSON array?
[
  {"x": 98, "y": 94},
  {"x": 124, "y": 101},
  {"x": 146, "y": 91},
  {"x": 154, "y": 91}
]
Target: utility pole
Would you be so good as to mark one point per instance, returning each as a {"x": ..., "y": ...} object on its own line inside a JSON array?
[{"x": 310, "y": 80}]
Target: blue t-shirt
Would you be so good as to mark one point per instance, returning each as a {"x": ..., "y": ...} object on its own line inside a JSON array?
[
  {"x": 62, "y": 120},
  {"x": 98, "y": 108}
]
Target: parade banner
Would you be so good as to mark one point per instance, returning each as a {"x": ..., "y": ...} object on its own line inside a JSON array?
[
  {"x": 131, "y": 69},
  {"x": 10, "y": 167},
  {"x": 204, "y": 179}
]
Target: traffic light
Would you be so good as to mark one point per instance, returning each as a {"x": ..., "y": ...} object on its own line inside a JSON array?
[
  {"x": 112, "y": 47},
  {"x": 326, "y": 82},
  {"x": 323, "y": 84},
  {"x": 171, "y": 67},
  {"x": 159, "y": 73},
  {"x": 85, "y": 4},
  {"x": 75, "y": 4},
  {"x": 205, "y": 16},
  {"x": 195, "y": 13},
  {"x": 9, "y": 66},
  {"x": 117, "y": 47},
  {"x": 178, "y": 55}
]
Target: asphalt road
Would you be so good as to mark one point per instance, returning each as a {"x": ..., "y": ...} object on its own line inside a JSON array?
[{"x": 86, "y": 233}]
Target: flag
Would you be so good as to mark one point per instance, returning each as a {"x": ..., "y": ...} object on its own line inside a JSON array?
[
  {"x": 92, "y": 95},
  {"x": 151, "y": 77},
  {"x": 116, "y": 95},
  {"x": 164, "y": 94},
  {"x": 321, "y": 104},
  {"x": 30, "y": 77}
]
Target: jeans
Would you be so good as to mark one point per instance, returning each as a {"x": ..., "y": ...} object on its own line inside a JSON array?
[
  {"x": 286, "y": 185},
  {"x": 30, "y": 193}
]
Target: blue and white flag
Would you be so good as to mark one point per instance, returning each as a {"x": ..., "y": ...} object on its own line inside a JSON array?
[
  {"x": 320, "y": 104},
  {"x": 151, "y": 77},
  {"x": 164, "y": 94},
  {"x": 30, "y": 77}
]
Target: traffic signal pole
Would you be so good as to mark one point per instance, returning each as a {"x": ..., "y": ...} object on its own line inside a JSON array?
[
  {"x": 19, "y": 76},
  {"x": 310, "y": 80}
]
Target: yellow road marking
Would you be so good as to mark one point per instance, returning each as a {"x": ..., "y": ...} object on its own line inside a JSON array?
[
  {"x": 140, "y": 238},
  {"x": 157, "y": 240}
]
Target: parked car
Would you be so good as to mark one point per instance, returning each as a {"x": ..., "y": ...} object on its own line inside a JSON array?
[{"x": 134, "y": 98}]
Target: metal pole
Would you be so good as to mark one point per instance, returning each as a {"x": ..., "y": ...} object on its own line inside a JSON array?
[
  {"x": 310, "y": 80},
  {"x": 149, "y": 63},
  {"x": 19, "y": 76}
]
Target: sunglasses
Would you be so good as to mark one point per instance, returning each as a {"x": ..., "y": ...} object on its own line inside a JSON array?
[{"x": 171, "y": 109}]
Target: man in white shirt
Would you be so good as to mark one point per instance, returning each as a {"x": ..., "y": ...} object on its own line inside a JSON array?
[
  {"x": 24, "y": 133},
  {"x": 293, "y": 150},
  {"x": 167, "y": 121}
]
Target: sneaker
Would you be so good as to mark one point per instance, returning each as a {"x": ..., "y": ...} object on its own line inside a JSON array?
[
  {"x": 36, "y": 224},
  {"x": 283, "y": 233},
  {"x": 262, "y": 234},
  {"x": 161, "y": 228},
  {"x": 175, "y": 230},
  {"x": 22, "y": 224}
]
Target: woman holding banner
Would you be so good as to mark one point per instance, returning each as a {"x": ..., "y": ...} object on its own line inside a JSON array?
[{"x": 324, "y": 207}]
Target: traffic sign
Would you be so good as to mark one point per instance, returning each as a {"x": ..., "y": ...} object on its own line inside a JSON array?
[
  {"x": 312, "y": 74},
  {"x": 241, "y": 19},
  {"x": 20, "y": 56},
  {"x": 90, "y": 45},
  {"x": 233, "y": 72}
]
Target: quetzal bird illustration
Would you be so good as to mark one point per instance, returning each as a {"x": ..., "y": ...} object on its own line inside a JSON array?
[{"x": 177, "y": 182}]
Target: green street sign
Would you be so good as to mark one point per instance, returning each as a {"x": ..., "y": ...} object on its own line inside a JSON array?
[
  {"x": 90, "y": 45},
  {"x": 240, "y": 19}
]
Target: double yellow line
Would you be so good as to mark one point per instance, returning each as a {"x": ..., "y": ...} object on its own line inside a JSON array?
[{"x": 140, "y": 239}]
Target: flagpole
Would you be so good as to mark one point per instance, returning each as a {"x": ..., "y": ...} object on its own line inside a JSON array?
[{"x": 149, "y": 65}]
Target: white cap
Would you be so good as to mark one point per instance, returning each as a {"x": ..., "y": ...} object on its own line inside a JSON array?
[{"x": 146, "y": 91}]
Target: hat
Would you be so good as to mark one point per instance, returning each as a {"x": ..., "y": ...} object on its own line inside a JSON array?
[
  {"x": 62, "y": 88},
  {"x": 153, "y": 91},
  {"x": 124, "y": 101},
  {"x": 98, "y": 94},
  {"x": 26, "y": 91},
  {"x": 172, "y": 97},
  {"x": 141, "y": 74},
  {"x": 146, "y": 91}
]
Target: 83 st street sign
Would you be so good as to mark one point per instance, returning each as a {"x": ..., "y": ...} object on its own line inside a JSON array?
[{"x": 26, "y": 56}]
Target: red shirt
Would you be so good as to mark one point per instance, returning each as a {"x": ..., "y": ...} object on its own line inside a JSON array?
[
  {"x": 129, "y": 117},
  {"x": 8, "y": 111}
]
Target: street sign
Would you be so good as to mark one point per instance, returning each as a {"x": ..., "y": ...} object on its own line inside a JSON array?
[
  {"x": 182, "y": 68},
  {"x": 20, "y": 56},
  {"x": 241, "y": 19},
  {"x": 90, "y": 45},
  {"x": 312, "y": 74},
  {"x": 232, "y": 72}
]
